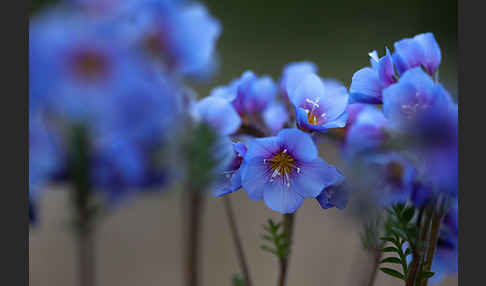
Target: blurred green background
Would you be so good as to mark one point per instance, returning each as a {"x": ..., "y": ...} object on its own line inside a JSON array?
[{"x": 336, "y": 35}]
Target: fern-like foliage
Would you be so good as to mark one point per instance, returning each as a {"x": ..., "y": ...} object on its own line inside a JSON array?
[
  {"x": 275, "y": 235},
  {"x": 402, "y": 234}
]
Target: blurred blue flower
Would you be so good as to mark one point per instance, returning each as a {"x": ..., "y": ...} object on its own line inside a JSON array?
[
  {"x": 368, "y": 83},
  {"x": 231, "y": 179},
  {"x": 218, "y": 112},
  {"x": 335, "y": 195},
  {"x": 84, "y": 73},
  {"x": 319, "y": 105},
  {"x": 421, "y": 50},
  {"x": 293, "y": 74},
  {"x": 182, "y": 34},
  {"x": 275, "y": 116},
  {"x": 368, "y": 132},
  {"x": 390, "y": 178},
  {"x": 285, "y": 169}
]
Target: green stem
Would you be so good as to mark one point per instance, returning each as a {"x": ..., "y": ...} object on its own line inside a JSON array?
[
  {"x": 195, "y": 209},
  {"x": 237, "y": 240},
  {"x": 418, "y": 248},
  {"x": 288, "y": 225},
  {"x": 432, "y": 243}
]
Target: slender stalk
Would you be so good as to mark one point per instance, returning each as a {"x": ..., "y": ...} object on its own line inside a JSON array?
[
  {"x": 418, "y": 249},
  {"x": 237, "y": 240},
  {"x": 376, "y": 263},
  {"x": 194, "y": 211},
  {"x": 87, "y": 259},
  {"x": 288, "y": 224},
  {"x": 432, "y": 243}
]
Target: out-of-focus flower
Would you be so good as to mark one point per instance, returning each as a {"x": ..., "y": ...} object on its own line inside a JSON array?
[
  {"x": 368, "y": 83},
  {"x": 231, "y": 179},
  {"x": 319, "y": 104},
  {"x": 275, "y": 116},
  {"x": 335, "y": 195},
  {"x": 285, "y": 169},
  {"x": 86, "y": 75},
  {"x": 182, "y": 34},
  {"x": 421, "y": 50},
  {"x": 218, "y": 113},
  {"x": 368, "y": 133},
  {"x": 414, "y": 100},
  {"x": 293, "y": 74},
  {"x": 390, "y": 178}
]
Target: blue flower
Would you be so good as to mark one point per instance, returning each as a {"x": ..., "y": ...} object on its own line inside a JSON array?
[
  {"x": 231, "y": 179},
  {"x": 319, "y": 105},
  {"x": 368, "y": 83},
  {"x": 421, "y": 50},
  {"x": 293, "y": 74},
  {"x": 285, "y": 169},
  {"x": 335, "y": 195}
]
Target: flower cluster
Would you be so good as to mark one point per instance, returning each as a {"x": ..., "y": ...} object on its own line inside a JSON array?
[
  {"x": 272, "y": 161},
  {"x": 110, "y": 72},
  {"x": 405, "y": 122}
]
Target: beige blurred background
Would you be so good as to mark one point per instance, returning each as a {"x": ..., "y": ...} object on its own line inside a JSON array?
[{"x": 141, "y": 243}]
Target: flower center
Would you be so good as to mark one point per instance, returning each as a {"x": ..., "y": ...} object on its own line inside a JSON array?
[
  {"x": 312, "y": 118},
  {"x": 282, "y": 164},
  {"x": 395, "y": 172},
  {"x": 90, "y": 65}
]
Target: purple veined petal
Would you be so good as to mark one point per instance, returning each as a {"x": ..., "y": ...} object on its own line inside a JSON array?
[
  {"x": 218, "y": 113},
  {"x": 281, "y": 198},
  {"x": 275, "y": 116},
  {"x": 263, "y": 147},
  {"x": 432, "y": 51},
  {"x": 313, "y": 177},
  {"x": 311, "y": 88},
  {"x": 299, "y": 144},
  {"x": 366, "y": 86},
  {"x": 254, "y": 177}
]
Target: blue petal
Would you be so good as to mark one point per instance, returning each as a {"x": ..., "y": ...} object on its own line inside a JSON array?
[
  {"x": 299, "y": 144},
  {"x": 412, "y": 95},
  {"x": 313, "y": 177},
  {"x": 339, "y": 122},
  {"x": 262, "y": 147},
  {"x": 366, "y": 86},
  {"x": 293, "y": 74},
  {"x": 414, "y": 52},
  {"x": 311, "y": 87},
  {"x": 335, "y": 100},
  {"x": 275, "y": 116},
  {"x": 254, "y": 177},
  {"x": 281, "y": 198},
  {"x": 219, "y": 114}
]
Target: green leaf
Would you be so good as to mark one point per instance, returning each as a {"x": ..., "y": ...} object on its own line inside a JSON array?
[
  {"x": 408, "y": 214},
  {"x": 392, "y": 272},
  {"x": 391, "y": 260},
  {"x": 390, "y": 239},
  {"x": 427, "y": 274},
  {"x": 400, "y": 233},
  {"x": 389, "y": 249}
]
